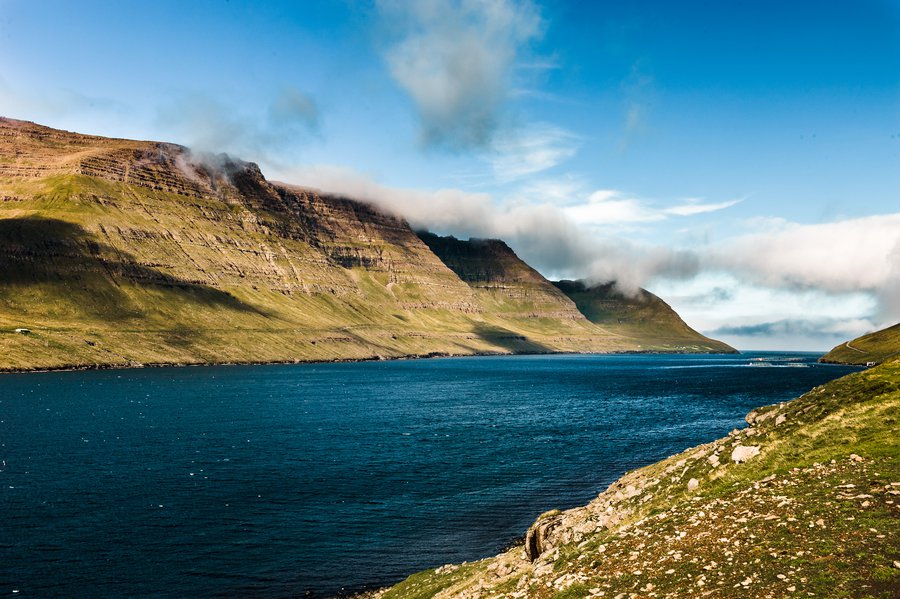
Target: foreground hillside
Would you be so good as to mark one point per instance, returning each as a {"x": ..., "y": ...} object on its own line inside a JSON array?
[
  {"x": 803, "y": 502},
  {"x": 874, "y": 347},
  {"x": 117, "y": 252}
]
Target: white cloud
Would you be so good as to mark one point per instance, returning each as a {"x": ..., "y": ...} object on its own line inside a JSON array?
[
  {"x": 849, "y": 255},
  {"x": 543, "y": 234},
  {"x": 607, "y": 207},
  {"x": 537, "y": 148},
  {"x": 455, "y": 59},
  {"x": 696, "y": 206}
]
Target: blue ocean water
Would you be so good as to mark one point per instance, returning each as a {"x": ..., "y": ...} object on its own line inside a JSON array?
[{"x": 294, "y": 480}]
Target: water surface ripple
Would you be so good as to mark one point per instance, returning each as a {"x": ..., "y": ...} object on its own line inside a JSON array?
[{"x": 292, "y": 480}]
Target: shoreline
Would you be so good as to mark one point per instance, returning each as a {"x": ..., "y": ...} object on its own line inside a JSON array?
[{"x": 374, "y": 358}]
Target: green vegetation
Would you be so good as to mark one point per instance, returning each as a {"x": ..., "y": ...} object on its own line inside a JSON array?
[
  {"x": 123, "y": 253},
  {"x": 641, "y": 316},
  {"x": 874, "y": 347},
  {"x": 814, "y": 513}
]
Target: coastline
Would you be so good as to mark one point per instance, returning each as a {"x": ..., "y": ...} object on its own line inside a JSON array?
[
  {"x": 798, "y": 477},
  {"x": 373, "y": 358}
]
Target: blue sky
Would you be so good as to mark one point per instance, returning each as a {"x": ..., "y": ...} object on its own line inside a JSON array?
[{"x": 739, "y": 158}]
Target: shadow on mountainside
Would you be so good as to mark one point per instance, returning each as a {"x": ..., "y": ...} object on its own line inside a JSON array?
[
  {"x": 510, "y": 340},
  {"x": 58, "y": 268}
]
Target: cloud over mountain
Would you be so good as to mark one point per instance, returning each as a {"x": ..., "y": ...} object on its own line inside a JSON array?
[{"x": 455, "y": 60}]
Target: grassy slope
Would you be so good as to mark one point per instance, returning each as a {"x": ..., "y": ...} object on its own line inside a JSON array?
[
  {"x": 158, "y": 300},
  {"x": 816, "y": 513},
  {"x": 873, "y": 347},
  {"x": 644, "y": 318},
  {"x": 116, "y": 252}
]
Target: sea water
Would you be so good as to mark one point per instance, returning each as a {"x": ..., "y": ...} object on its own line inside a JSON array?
[{"x": 306, "y": 480}]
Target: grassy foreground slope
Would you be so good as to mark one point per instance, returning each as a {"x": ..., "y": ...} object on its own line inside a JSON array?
[
  {"x": 872, "y": 347},
  {"x": 804, "y": 502},
  {"x": 118, "y": 252}
]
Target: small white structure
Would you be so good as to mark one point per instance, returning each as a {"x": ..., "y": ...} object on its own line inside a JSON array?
[
  {"x": 743, "y": 453},
  {"x": 23, "y": 331}
]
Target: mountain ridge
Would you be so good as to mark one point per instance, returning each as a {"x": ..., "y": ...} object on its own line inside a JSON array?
[{"x": 122, "y": 253}]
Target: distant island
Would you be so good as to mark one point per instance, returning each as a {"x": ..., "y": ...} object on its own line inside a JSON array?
[{"x": 119, "y": 253}]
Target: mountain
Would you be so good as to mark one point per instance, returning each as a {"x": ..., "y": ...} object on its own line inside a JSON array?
[
  {"x": 501, "y": 280},
  {"x": 117, "y": 252},
  {"x": 870, "y": 348},
  {"x": 802, "y": 502},
  {"x": 643, "y": 317}
]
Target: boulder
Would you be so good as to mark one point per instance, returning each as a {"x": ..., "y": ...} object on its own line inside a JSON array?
[{"x": 537, "y": 539}]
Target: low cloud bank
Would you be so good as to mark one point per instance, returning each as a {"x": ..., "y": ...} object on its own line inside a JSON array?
[
  {"x": 825, "y": 328},
  {"x": 542, "y": 234},
  {"x": 853, "y": 255},
  {"x": 844, "y": 257}
]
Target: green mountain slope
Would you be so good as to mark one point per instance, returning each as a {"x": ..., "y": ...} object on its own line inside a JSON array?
[
  {"x": 873, "y": 347},
  {"x": 644, "y": 318},
  {"x": 803, "y": 502},
  {"x": 117, "y": 252}
]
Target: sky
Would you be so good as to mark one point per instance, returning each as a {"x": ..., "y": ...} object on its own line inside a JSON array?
[{"x": 741, "y": 159}]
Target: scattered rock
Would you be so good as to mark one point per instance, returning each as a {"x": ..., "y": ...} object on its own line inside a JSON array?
[
  {"x": 780, "y": 419},
  {"x": 692, "y": 485},
  {"x": 856, "y": 458}
]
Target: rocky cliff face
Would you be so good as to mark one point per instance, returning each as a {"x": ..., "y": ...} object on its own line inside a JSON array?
[
  {"x": 117, "y": 252},
  {"x": 500, "y": 278}
]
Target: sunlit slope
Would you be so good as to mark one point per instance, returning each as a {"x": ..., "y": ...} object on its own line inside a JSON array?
[
  {"x": 643, "y": 318},
  {"x": 873, "y": 347},
  {"x": 805, "y": 501},
  {"x": 120, "y": 252}
]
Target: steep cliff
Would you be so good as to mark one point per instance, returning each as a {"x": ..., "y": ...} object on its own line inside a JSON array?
[
  {"x": 500, "y": 279},
  {"x": 121, "y": 252},
  {"x": 642, "y": 317}
]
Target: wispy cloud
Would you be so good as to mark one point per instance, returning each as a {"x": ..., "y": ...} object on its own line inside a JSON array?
[
  {"x": 54, "y": 105},
  {"x": 210, "y": 124},
  {"x": 455, "y": 59},
  {"x": 609, "y": 207},
  {"x": 694, "y": 206},
  {"x": 537, "y": 148},
  {"x": 638, "y": 94}
]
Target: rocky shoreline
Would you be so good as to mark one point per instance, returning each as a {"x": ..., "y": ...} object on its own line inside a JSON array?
[{"x": 804, "y": 501}]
